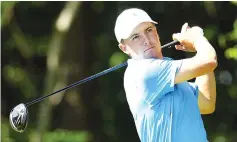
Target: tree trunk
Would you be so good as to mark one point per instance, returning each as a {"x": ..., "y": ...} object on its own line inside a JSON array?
[
  {"x": 56, "y": 77},
  {"x": 77, "y": 109}
]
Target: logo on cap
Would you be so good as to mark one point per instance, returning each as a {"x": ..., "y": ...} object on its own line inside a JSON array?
[{"x": 134, "y": 14}]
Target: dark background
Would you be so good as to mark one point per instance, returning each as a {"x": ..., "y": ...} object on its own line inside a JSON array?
[{"x": 48, "y": 45}]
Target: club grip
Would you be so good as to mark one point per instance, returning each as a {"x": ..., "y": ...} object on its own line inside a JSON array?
[{"x": 175, "y": 42}]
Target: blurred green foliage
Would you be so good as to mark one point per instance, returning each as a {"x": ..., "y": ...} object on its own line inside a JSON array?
[
  {"x": 97, "y": 110},
  {"x": 66, "y": 136}
]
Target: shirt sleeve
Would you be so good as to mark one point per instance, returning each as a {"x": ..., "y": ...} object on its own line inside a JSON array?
[
  {"x": 159, "y": 79},
  {"x": 194, "y": 88}
]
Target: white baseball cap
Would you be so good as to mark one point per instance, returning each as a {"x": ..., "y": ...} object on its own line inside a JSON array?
[{"x": 128, "y": 20}]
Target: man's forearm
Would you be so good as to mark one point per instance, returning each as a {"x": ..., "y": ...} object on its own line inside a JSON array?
[
  {"x": 205, "y": 51},
  {"x": 207, "y": 88}
]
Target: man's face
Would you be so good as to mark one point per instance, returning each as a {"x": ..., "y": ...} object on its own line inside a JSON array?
[{"x": 143, "y": 42}]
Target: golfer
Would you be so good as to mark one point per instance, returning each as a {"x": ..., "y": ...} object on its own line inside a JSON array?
[{"x": 165, "y": 106}]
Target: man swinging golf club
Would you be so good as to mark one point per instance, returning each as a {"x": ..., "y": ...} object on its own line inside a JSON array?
[
  {"x": 165, "y": 106},
  {"x": 19, "y": 115}
]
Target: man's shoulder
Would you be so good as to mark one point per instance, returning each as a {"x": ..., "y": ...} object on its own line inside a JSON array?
[
  {"x": 145, "y": 67},
  {"x": 141, "y": 64},
  {"x": 140, "y": 61}
]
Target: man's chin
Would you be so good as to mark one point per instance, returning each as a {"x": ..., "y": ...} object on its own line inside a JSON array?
[
  {"x": 153, "y": 56},
  {"x": 150, "y": 57}
]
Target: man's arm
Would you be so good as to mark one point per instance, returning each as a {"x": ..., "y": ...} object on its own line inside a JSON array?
[
  {"x": 200, "y": 66},
  {"x": 207, "y": 93},
  {"x": 204, "y": 62}
]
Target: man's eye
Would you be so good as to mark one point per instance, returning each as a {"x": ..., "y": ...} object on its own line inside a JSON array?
[
  {"x": 135, "y": 37},
  {"x": 149, "y": 30}
]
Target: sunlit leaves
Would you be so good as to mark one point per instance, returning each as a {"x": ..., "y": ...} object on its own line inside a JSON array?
[
  {"x": 233, "y": 34},
  {"x": 231, "y": 53},
  {"x": 210, "y": 31},
  {"x": 19, "y": 78},
  {"x": 220, "y": 138},
  {"x": 22, "y": 44},
  {"x": 222, "y": 41},
  {"x": 5, "y": 132},
  {"x": 234, "y": 2},
  {"x": 117, "y": 58},
  {"x": 67, "y": 136},
  {"x": 6, "y": 12},
  {"x": 14, "y": 74}
]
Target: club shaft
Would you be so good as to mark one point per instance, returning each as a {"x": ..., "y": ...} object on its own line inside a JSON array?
[
  {"x": 79, "y": 82},
  {"x": 175, "y": 42},
  {"x": 91, "y": 77}
]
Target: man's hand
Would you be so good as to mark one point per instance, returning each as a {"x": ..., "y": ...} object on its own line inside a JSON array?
[
  {"x": 187, "y": 38},
  {"x": 205, "y": 60}
]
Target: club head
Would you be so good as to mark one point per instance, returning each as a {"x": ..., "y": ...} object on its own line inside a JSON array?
[{"x": 19, "y": 118}]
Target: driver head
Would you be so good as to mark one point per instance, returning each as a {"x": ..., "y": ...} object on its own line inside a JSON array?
[{"x": 19, "y": 117}]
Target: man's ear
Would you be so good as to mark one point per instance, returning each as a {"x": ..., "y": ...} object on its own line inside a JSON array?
[{"x": 123, "y": 48}]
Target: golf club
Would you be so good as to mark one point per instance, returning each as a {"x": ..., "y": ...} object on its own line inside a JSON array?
[{"x": 19, "y": 114}]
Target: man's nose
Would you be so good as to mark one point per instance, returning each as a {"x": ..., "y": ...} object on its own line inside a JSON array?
[{"x": 146, "y": 41}]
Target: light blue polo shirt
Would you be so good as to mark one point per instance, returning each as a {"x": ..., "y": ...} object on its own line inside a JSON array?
[{"x": 162, "y": 111}]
